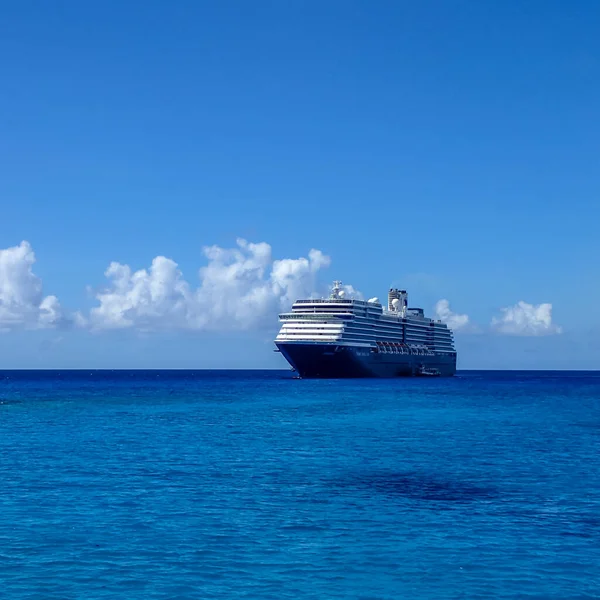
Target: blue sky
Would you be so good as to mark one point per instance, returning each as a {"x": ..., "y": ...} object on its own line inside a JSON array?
[{"x": 451, "y": 148}]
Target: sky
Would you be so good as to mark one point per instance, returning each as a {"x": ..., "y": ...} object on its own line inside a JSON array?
[{"x": 175, "y": 174}]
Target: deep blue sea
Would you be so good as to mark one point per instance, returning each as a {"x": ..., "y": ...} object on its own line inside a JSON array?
[{"x": 233, "y": 484}]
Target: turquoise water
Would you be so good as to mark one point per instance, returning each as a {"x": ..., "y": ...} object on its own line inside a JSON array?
[{"x": 255, "y": 485}]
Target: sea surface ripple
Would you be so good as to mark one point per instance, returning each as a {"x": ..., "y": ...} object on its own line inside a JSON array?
[{"x": 233, "y": 484}]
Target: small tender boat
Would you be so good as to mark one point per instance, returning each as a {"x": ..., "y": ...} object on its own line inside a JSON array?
[{"x": 428, "y": 372}]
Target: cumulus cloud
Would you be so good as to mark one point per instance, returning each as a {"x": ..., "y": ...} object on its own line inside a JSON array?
[
  {"x": 351, "y": 292},
  {"x": 526, "y": 319},
  {"x": 22, "y": 303},
  {"x": 454, "y": 320},
  {"x": 240, "y": 288}
]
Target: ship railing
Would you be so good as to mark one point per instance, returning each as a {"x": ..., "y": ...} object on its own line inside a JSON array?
[{"x": 325, "y": 301}]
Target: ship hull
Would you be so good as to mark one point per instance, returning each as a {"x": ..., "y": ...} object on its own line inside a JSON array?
[{"x": 330, "y": 361}]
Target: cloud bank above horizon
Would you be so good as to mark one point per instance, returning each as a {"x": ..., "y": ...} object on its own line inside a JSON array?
[
  {"x": 22, "y": 303},
  {"x": 239, "y": 288},
  {"x": 454, "y": 320},
  {"x": 526, "y": 319}
]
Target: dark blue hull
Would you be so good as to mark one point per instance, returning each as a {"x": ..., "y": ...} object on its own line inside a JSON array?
[{"x": 329, "y": 360}]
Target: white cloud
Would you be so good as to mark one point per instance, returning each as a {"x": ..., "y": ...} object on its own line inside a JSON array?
[
  {"x": 452, "y": 319},
  {"x": 241, "y": 287},
  {"x": 22, "y": 303},
  {"x": 526, "y": 319},
  {"x": 351, "y": 292}
]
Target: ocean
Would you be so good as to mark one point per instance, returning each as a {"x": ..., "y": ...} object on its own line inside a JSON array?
[{"x": 252, "y": 484}]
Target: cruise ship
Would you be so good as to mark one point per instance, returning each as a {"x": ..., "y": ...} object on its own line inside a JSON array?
[{"x": 345, "y": 337}]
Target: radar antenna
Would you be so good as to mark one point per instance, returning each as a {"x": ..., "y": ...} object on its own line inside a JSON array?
[
  {"x": 336, "y": 289},
  {"x": 397, "y": 301}
]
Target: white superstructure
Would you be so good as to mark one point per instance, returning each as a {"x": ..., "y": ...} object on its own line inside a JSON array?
[{"x": 365, "y": 323}]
